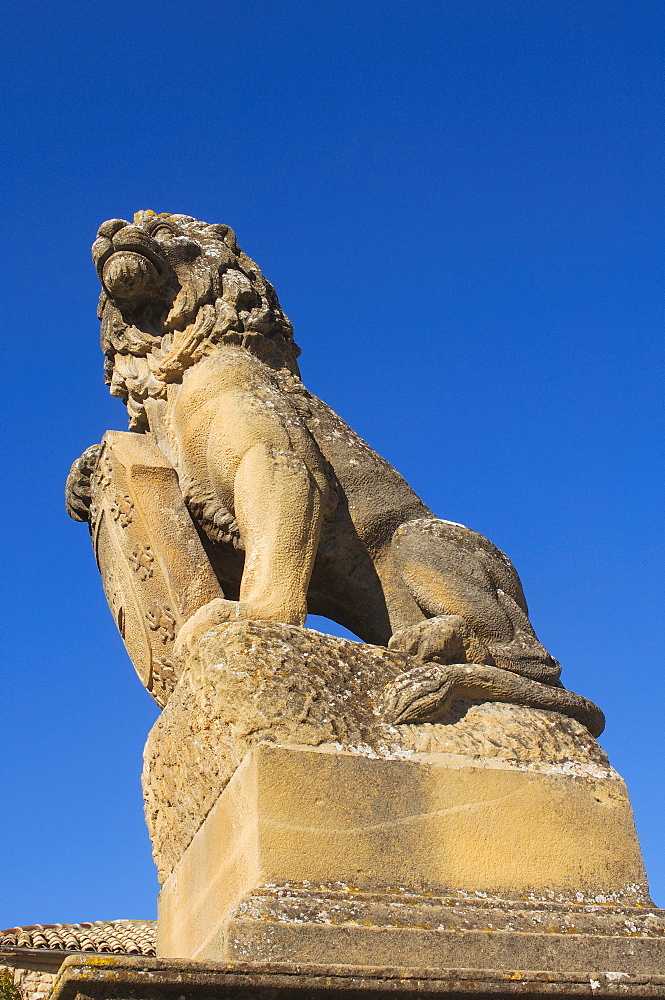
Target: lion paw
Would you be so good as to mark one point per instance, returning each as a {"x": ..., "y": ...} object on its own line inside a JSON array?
[
  {"x": 77, "y": 488},
  {"x": 215, "y": 612},
  {"x": 441, "y": 639}
]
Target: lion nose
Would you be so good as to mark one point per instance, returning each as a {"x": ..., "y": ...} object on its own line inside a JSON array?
[{"x": 111, "y": 227}]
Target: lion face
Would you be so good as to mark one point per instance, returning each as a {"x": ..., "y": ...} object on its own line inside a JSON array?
[
  {"x": 144, "y": 264},
  {"x": 133, "y": 264},
  {"x": 173, "y": 289}
]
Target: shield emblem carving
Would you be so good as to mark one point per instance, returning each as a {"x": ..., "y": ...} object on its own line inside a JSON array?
[{"x": 155, "y": 571}]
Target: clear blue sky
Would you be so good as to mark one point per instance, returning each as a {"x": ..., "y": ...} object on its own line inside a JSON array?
[{"x": 458, "y": 204}]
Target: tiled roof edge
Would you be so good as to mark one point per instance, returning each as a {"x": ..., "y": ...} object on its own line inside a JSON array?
[{"x": 114, "y": 937}]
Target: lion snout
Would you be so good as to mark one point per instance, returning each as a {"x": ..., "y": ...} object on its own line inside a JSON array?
[{"x": 127, "y": 274}]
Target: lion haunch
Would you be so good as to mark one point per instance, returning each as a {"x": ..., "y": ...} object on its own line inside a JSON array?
[{"x": 297, "y": 513}]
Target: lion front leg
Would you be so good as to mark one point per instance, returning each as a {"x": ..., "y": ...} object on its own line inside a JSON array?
[
  {"x": 279, "y": 510},
  {"x": 214, "y": 613}
]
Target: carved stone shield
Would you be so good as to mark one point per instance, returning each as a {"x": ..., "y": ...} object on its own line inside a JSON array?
[{"x": 155, "y": 571}]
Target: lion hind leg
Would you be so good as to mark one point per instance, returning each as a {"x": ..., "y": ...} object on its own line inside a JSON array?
[
  {"x": 426, "y": 692},
  {"x": 452, "y": 571},
  {"x": 447, "y": 575}
]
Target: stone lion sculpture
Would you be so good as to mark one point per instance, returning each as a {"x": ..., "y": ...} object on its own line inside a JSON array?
[{"x": 297, "y": 513}]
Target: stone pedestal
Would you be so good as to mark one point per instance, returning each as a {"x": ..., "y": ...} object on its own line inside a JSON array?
[
  {"x": 250, "y": 683},
  {"x": 499, "y": 839}
]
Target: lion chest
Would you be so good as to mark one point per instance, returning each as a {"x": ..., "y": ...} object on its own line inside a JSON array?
[{"x": 229, "y": 405}]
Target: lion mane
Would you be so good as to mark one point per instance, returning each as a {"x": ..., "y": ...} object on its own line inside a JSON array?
[{"x": 221, "y": 297}]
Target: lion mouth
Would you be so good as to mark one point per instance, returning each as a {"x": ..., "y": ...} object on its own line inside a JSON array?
[{"x": 127, "y": 274}]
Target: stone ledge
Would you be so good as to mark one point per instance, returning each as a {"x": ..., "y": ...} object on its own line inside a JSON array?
[{"x": 169, "y": 979}]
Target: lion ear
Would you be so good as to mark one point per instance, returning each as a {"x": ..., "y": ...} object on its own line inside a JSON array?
[{"x": 225, "y": 233}]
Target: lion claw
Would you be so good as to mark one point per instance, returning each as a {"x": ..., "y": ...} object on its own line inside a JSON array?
[{"x": 77, "y": 488}]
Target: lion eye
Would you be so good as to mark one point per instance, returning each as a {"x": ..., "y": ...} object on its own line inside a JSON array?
[{"x": 162, "y": 233}]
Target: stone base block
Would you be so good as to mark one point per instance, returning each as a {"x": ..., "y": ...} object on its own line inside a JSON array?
[
  {"x": 334, "y": 858},
  {"x": 116, "y": 978}
]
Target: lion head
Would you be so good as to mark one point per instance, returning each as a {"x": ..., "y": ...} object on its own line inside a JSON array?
[{"x": 173, "y": 288}]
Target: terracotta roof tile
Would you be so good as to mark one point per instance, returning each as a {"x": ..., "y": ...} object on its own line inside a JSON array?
[{"x": 119, "y": 937}]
